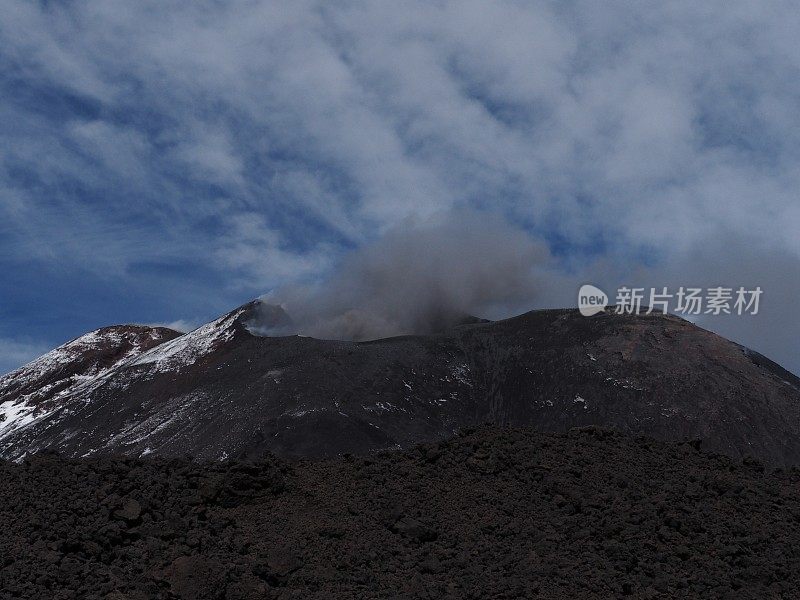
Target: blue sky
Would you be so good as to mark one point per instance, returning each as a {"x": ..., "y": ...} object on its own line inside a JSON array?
[{"x": 165, "y": 161}]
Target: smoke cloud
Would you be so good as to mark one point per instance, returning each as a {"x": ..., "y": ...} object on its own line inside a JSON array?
[{"x": 420, "y": 277}]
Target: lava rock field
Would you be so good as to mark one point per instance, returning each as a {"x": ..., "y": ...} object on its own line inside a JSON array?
[{"x": 491, "y": 513}]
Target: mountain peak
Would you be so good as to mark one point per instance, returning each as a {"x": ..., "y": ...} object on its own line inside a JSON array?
[
  {"x": 190, "y": 347},
  {"x": 36, "y": 389},
  {"x": 220, "y": 391}
]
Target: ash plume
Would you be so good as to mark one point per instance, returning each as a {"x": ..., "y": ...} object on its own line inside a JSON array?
[{"x": 420, "y": 277}]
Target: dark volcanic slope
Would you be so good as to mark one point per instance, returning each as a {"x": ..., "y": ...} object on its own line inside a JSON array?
[
  {"x": 47, "y": 383},
  {"x": 492, "y": 514},
  {"x": 221, "y": 392}
]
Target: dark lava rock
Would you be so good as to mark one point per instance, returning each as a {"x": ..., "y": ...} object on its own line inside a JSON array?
[
  {"x": 591, "y": 513},
  {"x": 278, "y": 564},
  {"x": 413, "y": 529},
  {"x": 196, "y": 577},
  {"x": 130, "y": 511}
]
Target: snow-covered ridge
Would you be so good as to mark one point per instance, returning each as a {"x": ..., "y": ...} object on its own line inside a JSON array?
[
  {"x": 43, "y": 386},
  {"x": 65, "y": 354},
  {"x": 139, "y": 338},
  {"x": 67, "y": 376},
  {"x": 190, "y": 347}
]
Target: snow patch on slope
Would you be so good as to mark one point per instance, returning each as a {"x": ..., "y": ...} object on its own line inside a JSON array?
[
  {"x": 60, "y": 357},
  {"x": 159, "y": 427},
  {"x": 190, "y": 347},
  {"x": 15, "y": 416},
  {"x": 22, "y": 409}
]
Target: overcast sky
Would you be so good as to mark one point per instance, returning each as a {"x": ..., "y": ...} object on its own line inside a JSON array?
[{"x": 167, "y": 161}]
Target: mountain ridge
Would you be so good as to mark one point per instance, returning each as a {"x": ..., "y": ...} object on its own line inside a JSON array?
[
  {"x": 221, "y": 392},
  {"x": 35, "y": 388}
]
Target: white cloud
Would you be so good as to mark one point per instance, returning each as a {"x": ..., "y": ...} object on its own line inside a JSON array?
[
  {"x": 259, "y": 136},
  {"x": 182, "y": 325},
  {"x": 252, "y": 250},
  {"x": 15, "y": 352}
]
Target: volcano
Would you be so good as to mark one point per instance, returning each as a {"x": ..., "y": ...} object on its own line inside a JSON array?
[{"x": 222, "y": 391}]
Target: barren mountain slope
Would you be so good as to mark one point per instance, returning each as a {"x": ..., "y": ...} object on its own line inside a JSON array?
[{"x": 222, "y": 392}]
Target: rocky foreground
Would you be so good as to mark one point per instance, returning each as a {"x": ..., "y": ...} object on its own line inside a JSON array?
[{"x": 492, "y": 513}]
